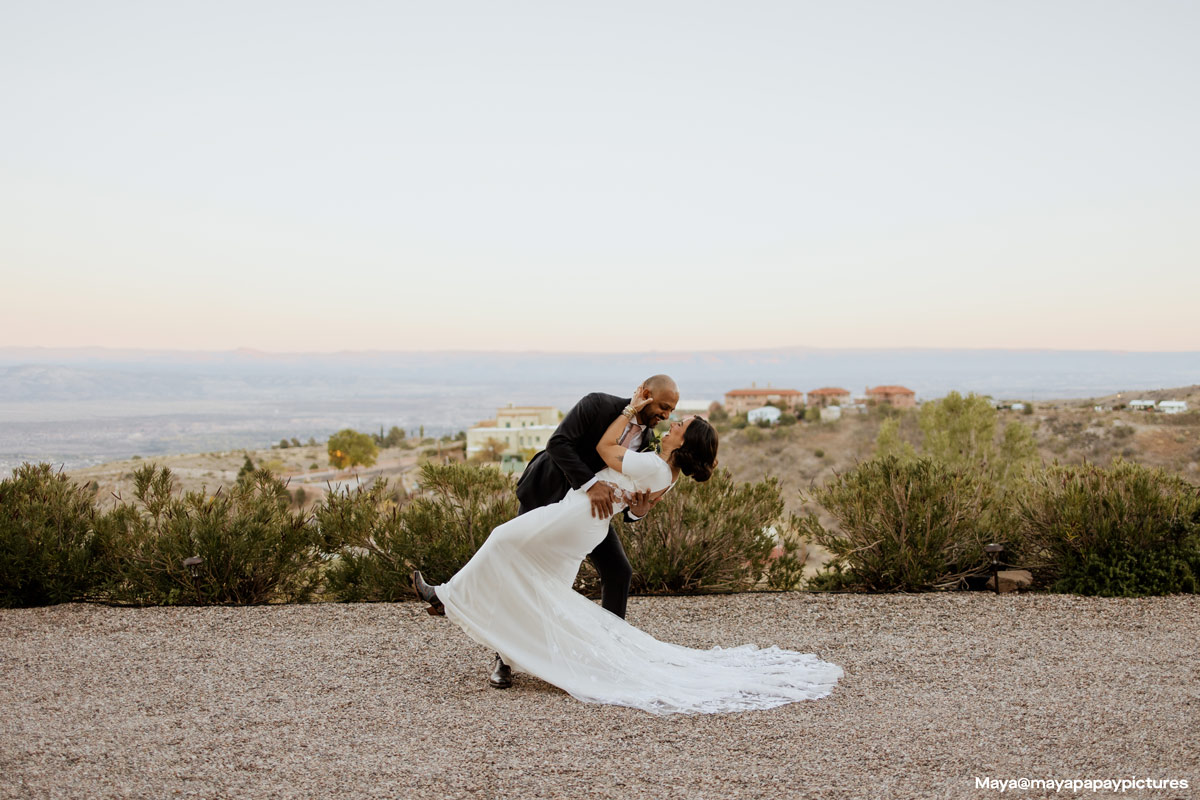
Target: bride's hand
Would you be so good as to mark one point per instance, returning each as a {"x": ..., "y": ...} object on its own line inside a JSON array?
[{"x": 641, "y": 398}]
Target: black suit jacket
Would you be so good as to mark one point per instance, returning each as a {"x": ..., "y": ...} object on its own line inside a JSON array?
[{"x": 570, "y": 459}]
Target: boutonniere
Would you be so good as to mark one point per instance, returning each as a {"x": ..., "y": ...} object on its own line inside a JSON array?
[{"x": 654, "y": 440}]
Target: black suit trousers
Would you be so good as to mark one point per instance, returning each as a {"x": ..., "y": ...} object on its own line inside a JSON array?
[{"x": 612, "y": 564}]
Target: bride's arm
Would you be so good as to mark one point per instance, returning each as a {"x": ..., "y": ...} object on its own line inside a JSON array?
[{"x": 607, "y": 447}]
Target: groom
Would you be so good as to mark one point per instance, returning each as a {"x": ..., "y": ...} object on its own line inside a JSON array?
[{"x": 570, "y": 461}]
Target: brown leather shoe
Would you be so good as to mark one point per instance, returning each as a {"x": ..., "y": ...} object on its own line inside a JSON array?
[
  {"x": 426, "y": 594},
  {"x": 501, "y": 677}
]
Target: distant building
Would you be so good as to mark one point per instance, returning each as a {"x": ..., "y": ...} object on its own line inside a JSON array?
[
  {"x": 517, "y": 428},
  {"x": 828, "y": 396},
  {"x": 1173, "y": 406},
  {"x": 768, "y": 414},
  {"x": 830, "y": 413},
  {"x": 738, "y": 401},
  {"x": 1142, "y": 405},
  {"x": 894, "y": 396},
  {"x": 692, "y": 408}
]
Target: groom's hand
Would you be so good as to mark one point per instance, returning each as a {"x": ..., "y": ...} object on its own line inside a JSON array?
[{"x": 601, "y": 495}]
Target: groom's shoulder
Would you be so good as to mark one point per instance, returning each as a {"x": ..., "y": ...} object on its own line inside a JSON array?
[{"x": 600, "y": 400}]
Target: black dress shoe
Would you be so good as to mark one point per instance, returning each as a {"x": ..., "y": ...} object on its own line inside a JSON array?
[
  {"x": 501, "y": 677},
  {"x": 426, "y": 594}
]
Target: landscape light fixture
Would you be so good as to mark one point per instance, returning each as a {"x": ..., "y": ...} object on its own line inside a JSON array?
[
  {"x": 193, "y": 566},
  {"x": 994, "y": 550}
]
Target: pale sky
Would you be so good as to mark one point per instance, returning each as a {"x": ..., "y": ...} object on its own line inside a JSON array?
[{"x": 321, "y": 176}]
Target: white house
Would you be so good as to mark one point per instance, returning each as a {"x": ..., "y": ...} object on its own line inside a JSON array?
[
  {"x": 516, "y": 427},
  {"x": 768, "y": 414},
  {"x": 1173, "y": 406},
  {"x": 1141, "y": 405},
  {"x": 830, "y": 413}
]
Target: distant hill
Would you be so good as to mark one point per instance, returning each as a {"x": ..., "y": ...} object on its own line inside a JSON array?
[
  {"x": 91, "y": 405},
  {"x": 70, "y": 375}
]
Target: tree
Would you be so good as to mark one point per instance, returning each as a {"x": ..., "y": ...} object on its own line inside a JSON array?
[
  {"x": 961, "y": 433},
  {"x": 717, "y": 413},
  {"x": 394, "y": 438},
  {"x": 349, "y": 448},
  {"x": 246, "y": 471},
  {"x": 889, "y": 443}
]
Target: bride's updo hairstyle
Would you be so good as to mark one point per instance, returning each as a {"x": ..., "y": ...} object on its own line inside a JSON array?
[{"x": 697, "y": 456}]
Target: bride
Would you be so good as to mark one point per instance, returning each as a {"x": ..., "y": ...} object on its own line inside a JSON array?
[{"x": 515, "y": 596}]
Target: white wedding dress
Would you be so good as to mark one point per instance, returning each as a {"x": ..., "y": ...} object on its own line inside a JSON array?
[{"x": 515, "y": 597}]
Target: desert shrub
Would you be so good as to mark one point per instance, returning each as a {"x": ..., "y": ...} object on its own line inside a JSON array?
[
  {"x": 712, "y": 537},
  {"x": 752, "y": 435},
  {"x": 787, "y": 418},
  {"x": 1122, "y": 432},
  {"x": 740, "y": 421},
  {"x": 1124, "y": 531},
  {"x": 254, "y": 548},
  {"x": 902, "y": 525},
  {"x": 382, "y": 541},
  {"x": 49, "y": 550}
]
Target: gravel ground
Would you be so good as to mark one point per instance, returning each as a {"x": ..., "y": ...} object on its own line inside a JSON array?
[{"x": 382, "y": 700}]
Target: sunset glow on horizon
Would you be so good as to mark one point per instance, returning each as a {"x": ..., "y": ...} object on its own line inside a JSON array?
[{"x": 659, "y": 176}]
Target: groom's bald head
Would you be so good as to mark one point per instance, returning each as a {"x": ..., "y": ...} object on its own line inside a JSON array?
[
  {"x": 664, "y": 397},
  {"x": 660, "y": 383}
]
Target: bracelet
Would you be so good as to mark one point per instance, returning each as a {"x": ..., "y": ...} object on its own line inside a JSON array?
[{"x": 627, "y": 412}]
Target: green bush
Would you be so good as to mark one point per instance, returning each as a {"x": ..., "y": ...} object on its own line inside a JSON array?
[
  {"x": 254, "y": 548},
  {"x": 438, "y": 531},
  {"x": 752, "y": 435},
  {"x": 49, "y": 550},
  {"x": 902, "y": 525},
  {"x": 712, "y": 537},
  {"x": 1124, "y": 531}
]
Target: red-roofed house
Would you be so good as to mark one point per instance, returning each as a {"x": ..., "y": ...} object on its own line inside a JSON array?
[
  {"x": 895, "y": 396},
  {"x": 738, "y": 401},
  {"x": 828, "y": 396}
]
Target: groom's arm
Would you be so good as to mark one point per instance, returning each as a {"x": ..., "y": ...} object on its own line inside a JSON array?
[{"x": 572, "y": 437}]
